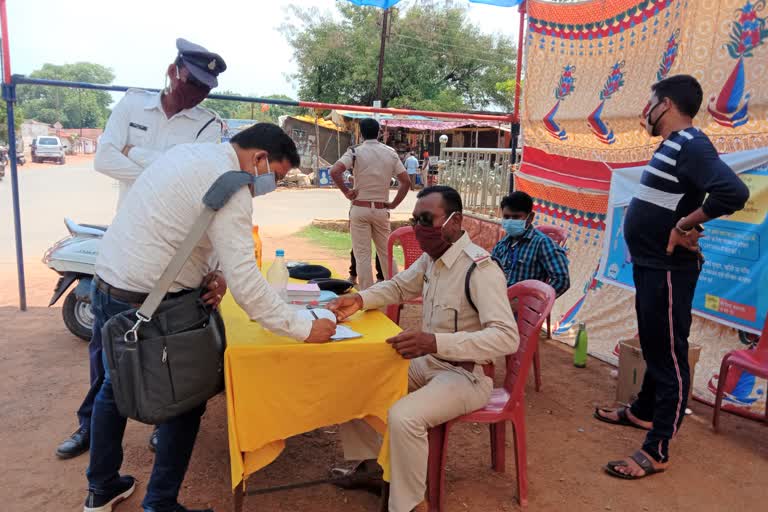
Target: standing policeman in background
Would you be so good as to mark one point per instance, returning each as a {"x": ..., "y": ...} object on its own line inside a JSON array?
[
  {"x": 143, "y": 126},
  {"x": 374, "y": 165}
]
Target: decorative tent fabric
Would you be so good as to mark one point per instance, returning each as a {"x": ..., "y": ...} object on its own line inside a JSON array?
[{"x": 589, "y": 67}]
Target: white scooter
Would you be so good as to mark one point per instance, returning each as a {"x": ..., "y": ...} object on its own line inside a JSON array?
[{"x": 74, "y": 258}]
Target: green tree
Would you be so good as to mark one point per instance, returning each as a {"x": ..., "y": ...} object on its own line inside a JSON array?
[
  {"x": 18, "y": 116},
  {"x": 73, "y": 108},
  {"x": 229, "y": 109},
  {"x": 435, "y": 58}
]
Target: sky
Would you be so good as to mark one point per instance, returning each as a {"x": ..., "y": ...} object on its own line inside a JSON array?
[{"x": 136, "y": 38}]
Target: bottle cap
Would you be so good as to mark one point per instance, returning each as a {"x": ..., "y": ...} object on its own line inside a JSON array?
[{"x": 279, "y": 253}]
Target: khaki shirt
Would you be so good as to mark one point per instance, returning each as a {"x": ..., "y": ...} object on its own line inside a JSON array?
[
  {"x": 375, "y": 166},
  {"x": 462, "y": 333}
]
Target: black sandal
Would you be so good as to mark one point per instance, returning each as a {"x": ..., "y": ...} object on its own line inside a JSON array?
[
  {"x": 641, "y": 460},
  {"x": 623, "y": 420}
]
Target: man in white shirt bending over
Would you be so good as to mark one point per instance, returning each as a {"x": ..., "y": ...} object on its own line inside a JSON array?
[
  {"x": 142, "y": 126},
  {"x": 157, "y": 216}
]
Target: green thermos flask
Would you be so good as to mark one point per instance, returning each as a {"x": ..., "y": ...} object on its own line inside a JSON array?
[{"x": 580, "y": 354}]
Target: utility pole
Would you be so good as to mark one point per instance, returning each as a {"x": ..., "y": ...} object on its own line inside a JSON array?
[{"x": 384, "y": 20}]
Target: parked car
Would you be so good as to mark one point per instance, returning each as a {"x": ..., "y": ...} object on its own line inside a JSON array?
[{"x": 48, "y": 147}]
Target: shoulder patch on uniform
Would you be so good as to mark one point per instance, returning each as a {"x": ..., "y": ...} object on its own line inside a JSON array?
[{"x": 480, "y": 256}]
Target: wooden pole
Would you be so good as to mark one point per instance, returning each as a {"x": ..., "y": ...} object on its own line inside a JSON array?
[{"x": 380, "y": 76}]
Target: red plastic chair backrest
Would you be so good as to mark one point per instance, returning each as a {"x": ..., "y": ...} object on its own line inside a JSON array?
[
  {"x": 557, "y": 234},
  {"x": 405, "y": 238},
  {"x": 534, "y": 303}
]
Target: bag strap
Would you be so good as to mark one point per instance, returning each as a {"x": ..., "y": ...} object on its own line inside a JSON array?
[
  {"x": 214, "y": 199},
  {"x": 155, "y": 297},
  {"x": 467, "y": 278}
]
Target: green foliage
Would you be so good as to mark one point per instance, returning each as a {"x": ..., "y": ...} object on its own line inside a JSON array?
[
  {"x": 435, "y": 58},
  {"x": 73, "y": 108},
  {"x": 18, "y": 117},
  {"x": 245, "y": 110}
]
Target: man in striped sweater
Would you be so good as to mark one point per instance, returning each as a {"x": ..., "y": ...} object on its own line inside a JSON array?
[{"x": 662, "y": 229}]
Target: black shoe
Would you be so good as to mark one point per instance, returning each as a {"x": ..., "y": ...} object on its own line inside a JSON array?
[
  {"x": 366, "y": 476},
  {"x": 106, "y": 502},
  {"x": 153, "y": 440},
  {"x": 77, "y": 444}
]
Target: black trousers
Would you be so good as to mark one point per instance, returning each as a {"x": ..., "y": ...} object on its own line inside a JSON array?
[
  {"x": 663, "y": 302},
  {"x": 353, "y": 266}
]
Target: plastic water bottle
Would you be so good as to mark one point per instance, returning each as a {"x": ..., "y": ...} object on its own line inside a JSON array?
[
  {"x": 277, "y": 276},
  {"x": 580, "y": 354}
]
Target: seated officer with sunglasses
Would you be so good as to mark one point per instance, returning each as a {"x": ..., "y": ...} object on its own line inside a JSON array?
[
  {"x": 446, "y": 378},
  {"x": 143, "y": 126}
]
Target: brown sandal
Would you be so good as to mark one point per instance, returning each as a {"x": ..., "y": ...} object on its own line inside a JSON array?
[{"x": 623, "y": 420}]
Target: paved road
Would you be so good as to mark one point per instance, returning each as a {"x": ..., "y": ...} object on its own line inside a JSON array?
[{"x": 50, "y": 193}]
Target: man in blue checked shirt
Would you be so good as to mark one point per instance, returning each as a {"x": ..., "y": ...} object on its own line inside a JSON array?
[{"x": 527, "y": 253}]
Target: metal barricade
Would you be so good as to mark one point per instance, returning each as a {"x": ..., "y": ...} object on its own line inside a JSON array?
[{"x": 481, "y": 175}]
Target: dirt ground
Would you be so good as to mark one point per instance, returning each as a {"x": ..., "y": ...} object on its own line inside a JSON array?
[{"x": 43, "y": 373}]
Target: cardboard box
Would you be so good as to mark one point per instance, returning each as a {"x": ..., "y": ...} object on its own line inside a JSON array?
[{"x": 632, "y": 369}]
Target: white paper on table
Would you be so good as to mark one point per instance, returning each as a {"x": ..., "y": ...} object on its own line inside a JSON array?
[
  {"x": 342, "y": 331},
  {"x": 345, "y": 333}
]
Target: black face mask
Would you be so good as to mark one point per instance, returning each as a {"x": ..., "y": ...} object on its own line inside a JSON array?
[{"x": 653, "y": 125}]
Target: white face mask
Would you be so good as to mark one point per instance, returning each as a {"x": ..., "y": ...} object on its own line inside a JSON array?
[{"x": 264, "y": 183}]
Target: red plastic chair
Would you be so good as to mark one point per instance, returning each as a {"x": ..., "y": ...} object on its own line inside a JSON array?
[
  {"x": 404, "y": 237},
  {"x": 535, "y": 300},
  {"x": 560, "y": 237},
  {"x": 754, "y": 361}
]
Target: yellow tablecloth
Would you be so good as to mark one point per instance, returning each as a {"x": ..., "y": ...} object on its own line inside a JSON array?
[{"x": 278, "y": 387}]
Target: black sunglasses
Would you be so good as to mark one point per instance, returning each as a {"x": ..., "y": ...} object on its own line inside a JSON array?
[{"x": 425, "y": 219}]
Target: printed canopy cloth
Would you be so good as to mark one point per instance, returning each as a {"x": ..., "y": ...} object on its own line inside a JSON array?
[
  {"x": 277, "y": 387},
  {"x": 588, "y": 70}
]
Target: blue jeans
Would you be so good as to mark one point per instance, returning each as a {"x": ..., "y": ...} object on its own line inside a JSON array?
[
  {"x": 94, "y": 352},
  {"x": 176, "y": 438}
]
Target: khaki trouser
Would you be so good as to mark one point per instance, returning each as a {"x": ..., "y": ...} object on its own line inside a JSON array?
[
  {"x": 438, "y": 392},
  {"x": 366, "y": 224}
]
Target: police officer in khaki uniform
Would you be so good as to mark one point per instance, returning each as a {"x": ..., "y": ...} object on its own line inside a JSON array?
[
  {"x": 374, "y": 165},
  {"x": 446, "y": 378}
]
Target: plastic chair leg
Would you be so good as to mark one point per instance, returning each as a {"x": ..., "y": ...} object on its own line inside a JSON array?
[
  {"x": 393, "y": 312},
  {"x": 498, "y": 446},
  {"x": 722, "y": 376},
  {"x": 537, "y": 369},
  {"x": 521, "y": 460},
  {"x": 549, "y": 327},
  {"x": 438, "y": 437}
]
